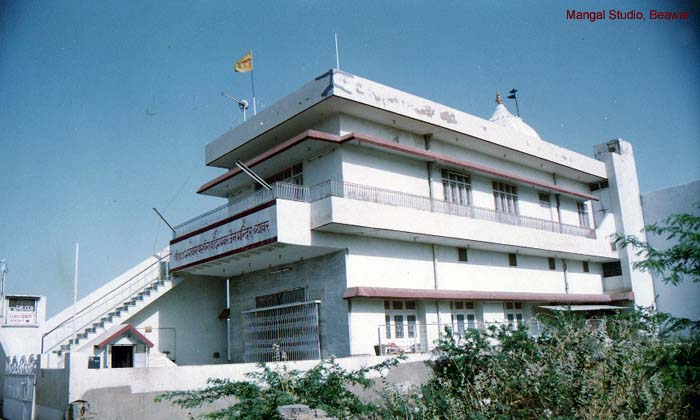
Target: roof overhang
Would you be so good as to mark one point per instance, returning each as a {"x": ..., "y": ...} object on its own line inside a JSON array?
[
  {"x": 336, "y": 92},
  {"x": 400, "y": 293}
]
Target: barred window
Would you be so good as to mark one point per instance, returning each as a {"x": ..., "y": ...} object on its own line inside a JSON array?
[
  {"x": 291, "y": 175},
  {"x": 457, "y": 187},
  {"x": 612, "y": 269},
  {"x": 506, "y": 197},
  {"x": 582, "y": 214}
]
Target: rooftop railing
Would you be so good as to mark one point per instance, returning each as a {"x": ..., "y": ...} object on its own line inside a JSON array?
[{"x": 333, "y": 188}]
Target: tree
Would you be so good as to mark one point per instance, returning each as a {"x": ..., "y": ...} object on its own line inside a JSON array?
[{"x": 680, "y": 260}]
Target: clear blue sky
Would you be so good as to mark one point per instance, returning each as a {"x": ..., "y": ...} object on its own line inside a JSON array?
[{"x": 80, "y": 158}]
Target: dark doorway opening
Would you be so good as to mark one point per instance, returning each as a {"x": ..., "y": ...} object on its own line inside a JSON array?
[{"x": 122, "y": 356}]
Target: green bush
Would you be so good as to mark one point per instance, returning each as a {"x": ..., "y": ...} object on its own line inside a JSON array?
[{"x": 626, "y": 366}]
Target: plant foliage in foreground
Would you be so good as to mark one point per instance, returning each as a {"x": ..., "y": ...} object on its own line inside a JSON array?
[
  {"x": 324, "y": 386},
  {"x": 626, "y": 366}
]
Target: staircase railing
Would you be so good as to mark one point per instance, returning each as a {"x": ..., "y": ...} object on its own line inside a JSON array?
[{"x": 102, "y": 306}]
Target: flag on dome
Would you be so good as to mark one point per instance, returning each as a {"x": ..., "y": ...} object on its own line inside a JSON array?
[{"x": 244, "y": 64}]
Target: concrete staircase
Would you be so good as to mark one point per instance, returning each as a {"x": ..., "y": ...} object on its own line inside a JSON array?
[{"x": 112, "y": 304}]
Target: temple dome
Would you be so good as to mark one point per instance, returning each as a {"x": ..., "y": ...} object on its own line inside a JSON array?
[{"x": 504, "y": 118}]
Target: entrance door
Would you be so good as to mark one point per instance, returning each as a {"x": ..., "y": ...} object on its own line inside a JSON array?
[{"x": 122, "y": 356}]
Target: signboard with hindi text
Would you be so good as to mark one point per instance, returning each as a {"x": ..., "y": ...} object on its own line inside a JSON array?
[
  {"x": 21, "y": 311},
  {"x": 220, "y": 240}
]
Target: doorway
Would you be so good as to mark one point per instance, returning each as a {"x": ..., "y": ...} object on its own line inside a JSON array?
[{"x": 122, "y": 356}]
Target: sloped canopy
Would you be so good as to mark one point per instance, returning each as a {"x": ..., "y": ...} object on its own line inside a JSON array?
[{"x": 121, "y": 331}]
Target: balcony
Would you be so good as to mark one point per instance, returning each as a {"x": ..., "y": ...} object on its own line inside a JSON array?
[{"x": 333, "y": 188}]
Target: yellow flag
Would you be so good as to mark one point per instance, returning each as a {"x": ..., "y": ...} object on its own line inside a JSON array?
[{"x": 244, "y": 64}]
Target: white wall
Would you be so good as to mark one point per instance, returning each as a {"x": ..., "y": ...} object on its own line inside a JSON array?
[
  {"x": 683, "y": 300},
  {"x": 185, "y": 321},
  {"x": 385, "y": 263}
]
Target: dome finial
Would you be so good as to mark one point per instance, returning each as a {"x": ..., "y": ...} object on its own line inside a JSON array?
[{"x": 499, "y": 100}]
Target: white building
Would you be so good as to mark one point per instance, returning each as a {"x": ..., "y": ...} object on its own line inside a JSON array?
[{"x": 390, "y": 217}]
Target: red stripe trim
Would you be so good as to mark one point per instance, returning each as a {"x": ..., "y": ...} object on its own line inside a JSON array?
[
  {"x": 226, "y": 254},
  {"x": 398, "y": 293},
  {"x": 363, "y": 138},
  {"x": 127, "y": 328},
  {"x": 223, "y": 222}
]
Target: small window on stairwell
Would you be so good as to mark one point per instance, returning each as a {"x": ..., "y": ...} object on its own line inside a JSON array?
[
  {"x": 552, "y": 263},
  {"x": 586, "y": 268},
  {"x": 462, "y": 254}
]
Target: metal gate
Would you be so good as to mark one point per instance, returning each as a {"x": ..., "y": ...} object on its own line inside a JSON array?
[
  {"x": 282, "y": 332},
  {"x": 20, "y": 383}
]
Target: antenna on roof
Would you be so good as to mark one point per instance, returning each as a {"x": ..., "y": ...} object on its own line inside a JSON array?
[
  {"x": 242, "y": 104},
  {"x": 512, "y": 96}
]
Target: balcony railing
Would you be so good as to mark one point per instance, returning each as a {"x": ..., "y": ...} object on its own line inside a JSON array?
[
  {"x": 415, "y": 337},
  {"x": 333, "y": 188}
]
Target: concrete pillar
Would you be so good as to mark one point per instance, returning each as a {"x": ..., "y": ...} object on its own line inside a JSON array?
[{"x": 625, "y": 203}]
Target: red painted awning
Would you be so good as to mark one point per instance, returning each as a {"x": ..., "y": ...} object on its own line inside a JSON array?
[
  {"x": 398, "y": 293},
  {"x": 128, "y": 328}
]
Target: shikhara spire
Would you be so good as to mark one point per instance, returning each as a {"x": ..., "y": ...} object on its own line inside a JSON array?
[{"x": 503, "y": 117}]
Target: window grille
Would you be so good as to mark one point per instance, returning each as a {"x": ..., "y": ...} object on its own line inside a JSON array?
[
  {"x": 291, "y": 175},
  {"x": 457, "y": 187},
  {"x": 505, "y": 197},
  {"x": 612, "y": 269},
  {"x": 582, "y": 214}
]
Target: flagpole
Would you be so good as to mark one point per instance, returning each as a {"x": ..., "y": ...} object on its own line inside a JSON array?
[
  {"x": 75, "y": 292},
  {"x": 337, "y": 57},
  {"x": 3, "y": 269},
  {"x": 252, "y": 82}
]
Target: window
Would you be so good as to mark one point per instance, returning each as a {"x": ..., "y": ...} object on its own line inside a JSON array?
[
  {"x": 582, "y": 214},
  {"x": 546, "y": 204},
  {"x": 586, "y": 268},
  {"x": 552, "y": 264},
  {"x": 463, "y": 317},
  {"x": 456, "y": 187},
  {"x": 612, "y": 269},
  {"x": 281, "y": 298},
  {"x": 291, "y": 175},
  {"x": 513, "y": 260},
  {"x": 462, "y": 254},
  {"x": 505, "y": 197},
  {"x": 514, "y": 313},
  {"x": 400, "y": 319}
]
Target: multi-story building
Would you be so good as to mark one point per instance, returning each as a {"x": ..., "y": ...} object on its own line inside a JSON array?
[{"x": 392, "y": 217}]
